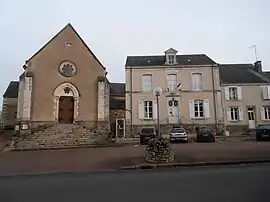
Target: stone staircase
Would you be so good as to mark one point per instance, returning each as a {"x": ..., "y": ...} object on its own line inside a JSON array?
[{"x": 60, "y": 136}]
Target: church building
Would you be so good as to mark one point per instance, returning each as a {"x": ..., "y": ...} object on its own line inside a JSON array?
[{"x": 63, "y": 96}]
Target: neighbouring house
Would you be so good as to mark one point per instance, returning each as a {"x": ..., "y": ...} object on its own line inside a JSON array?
[
  {"x": 117, "y": 109},
  {"x": 245, "y": 96},
  {"x": 9, "y": 106},
  {"x": 191, "y": 91},
  {"x": 62, "y": 97}
]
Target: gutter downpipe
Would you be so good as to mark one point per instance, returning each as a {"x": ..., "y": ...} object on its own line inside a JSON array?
[
  {"x": 214, "y": 97},
  {"x": 131, "y": 103}
]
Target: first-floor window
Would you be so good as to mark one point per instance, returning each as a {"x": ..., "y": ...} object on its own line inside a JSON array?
[
  {"x": 234, "y": 113},
  {"x": 267, "y": 113},
  {"x": 198, "y": 109},
  {"x": 233, "y": 93},
  {"x": 148, "y": 109}
]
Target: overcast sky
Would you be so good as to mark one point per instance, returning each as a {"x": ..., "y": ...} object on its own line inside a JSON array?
[{"x": 113, "y": 29}]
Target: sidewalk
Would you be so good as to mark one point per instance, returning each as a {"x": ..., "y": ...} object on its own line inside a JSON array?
[{"x": 111, "y": 158}]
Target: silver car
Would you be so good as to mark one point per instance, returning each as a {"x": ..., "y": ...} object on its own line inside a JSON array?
[{"x": 178, "y": 134}]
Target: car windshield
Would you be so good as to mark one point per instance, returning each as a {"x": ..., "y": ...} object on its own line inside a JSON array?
[
  {"x": 147, "y": 130},
  {"x": 178, "y": 130},
  {"x": 206, "y": 130},
  {"x": 264, "y": 127}
]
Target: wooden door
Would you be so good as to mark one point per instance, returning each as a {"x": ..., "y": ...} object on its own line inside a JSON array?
[{"x": 66, "y": 110}]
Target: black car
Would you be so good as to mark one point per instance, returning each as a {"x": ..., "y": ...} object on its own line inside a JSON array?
[
  {"x": 205, "y": 134},
  {"x": 263, "y": 132},
  {"x": 147, "y": 134}
]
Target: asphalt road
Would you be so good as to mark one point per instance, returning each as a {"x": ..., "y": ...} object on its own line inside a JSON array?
[{"x": 237, "y": 183}]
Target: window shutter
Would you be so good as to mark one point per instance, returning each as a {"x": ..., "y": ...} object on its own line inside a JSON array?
[
  {"x": 262, "y": 113},
  {"x": 193, "y": 81},
  {"x": 229, "y": 114},
  {"x": 206, "y": 108},
  {"x": 239, "y": 93},
  {"x": 191, "y": 109},
  {"x": 141, "y": 110},
  {"x": 154, "y": 109},
  {"x": 226, "y": 93},
  {"x": 268, "y": 92},
  {"x": 264, "y": 92},
  {"x": 240, "y": 110},
  {"x": 200, "y": 81}
]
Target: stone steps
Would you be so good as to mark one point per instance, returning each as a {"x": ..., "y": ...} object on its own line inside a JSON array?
[
  {"x": 33, "y": 142},
  {"x": 60, "y": 136}
]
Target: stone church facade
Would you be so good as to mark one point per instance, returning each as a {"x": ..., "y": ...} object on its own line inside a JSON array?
[{"x": 63, "y": 95}]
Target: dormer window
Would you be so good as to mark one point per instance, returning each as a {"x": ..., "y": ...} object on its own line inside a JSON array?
[
  {"x": 170, "y": 56},
  {"x": 171, "y": 59}
]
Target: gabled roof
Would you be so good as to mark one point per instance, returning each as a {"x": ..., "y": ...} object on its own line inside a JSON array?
[
  {"x": 171, "y": 50},
  {"x": 12, "y": 90},
  {"x": 240, "y": 73},
  {"x": 67, "y": 26},
  {"x": 159, "y": 60},
  {"x": 117, "y": 89}
]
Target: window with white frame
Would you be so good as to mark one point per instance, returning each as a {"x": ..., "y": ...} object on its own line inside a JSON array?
[
  {"x": 234, "y": 113},
  {"x": 172, "y": 81},
  {"x": 198, "y": 109},
  {"x": 233, "y": 93},
  {"x": 148, "y": 109},
  {"x": 266, "y": 92},
  {"x": 267, "y": 112},
  {"x": 171, "y": 59},
  {"x": 147, "y": 83},
  {"x": 197, "y": 81}
]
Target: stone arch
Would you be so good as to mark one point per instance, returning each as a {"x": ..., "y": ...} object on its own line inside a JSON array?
[{"x": 66, "y": 89}]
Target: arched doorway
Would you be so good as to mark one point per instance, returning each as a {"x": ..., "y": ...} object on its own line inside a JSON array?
[
  {"x": 66, "y": 110},
  {"x": 66, "y": 103}
]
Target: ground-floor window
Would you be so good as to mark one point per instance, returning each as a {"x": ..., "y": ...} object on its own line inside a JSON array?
[
  {"x": 234, "y": 113},
  {"x": 198, "y": 109},
  {"x": 148, "y": 109},
  {"x": 267, "y": 112}
]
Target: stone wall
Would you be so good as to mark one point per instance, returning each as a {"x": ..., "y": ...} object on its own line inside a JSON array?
[
  {"x": 9, "y": 111},
  {"x": 237, "y": 129}
]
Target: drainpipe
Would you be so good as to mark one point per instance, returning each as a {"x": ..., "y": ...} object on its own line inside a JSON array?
[
  {"x": 214, "y": 97},
  {"x": 130, "y": 89}
]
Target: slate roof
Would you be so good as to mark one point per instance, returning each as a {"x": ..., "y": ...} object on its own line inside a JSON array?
[
  {"x": 117, "y": 104},
  {"x": 159, "y": 60},
  {"x": 267, "y": 74},
  {"x": 12, "y": 90},
  {"x": 241, "y": 73},
  {"x": 117, "y": 89}
]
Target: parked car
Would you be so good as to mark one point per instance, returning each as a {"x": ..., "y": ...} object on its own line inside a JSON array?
[
  {"x": 178, "y": 134},
  {"x": 205, "y": 134},
  {"x": 263, "y": 132},
  {"x": 147, "y": 134}
]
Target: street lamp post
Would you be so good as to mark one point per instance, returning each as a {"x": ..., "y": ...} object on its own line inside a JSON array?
[{"x": 158, "y": 92}]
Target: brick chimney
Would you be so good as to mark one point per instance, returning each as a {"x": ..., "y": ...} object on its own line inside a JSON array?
[{"x": 258, "y": 66}]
